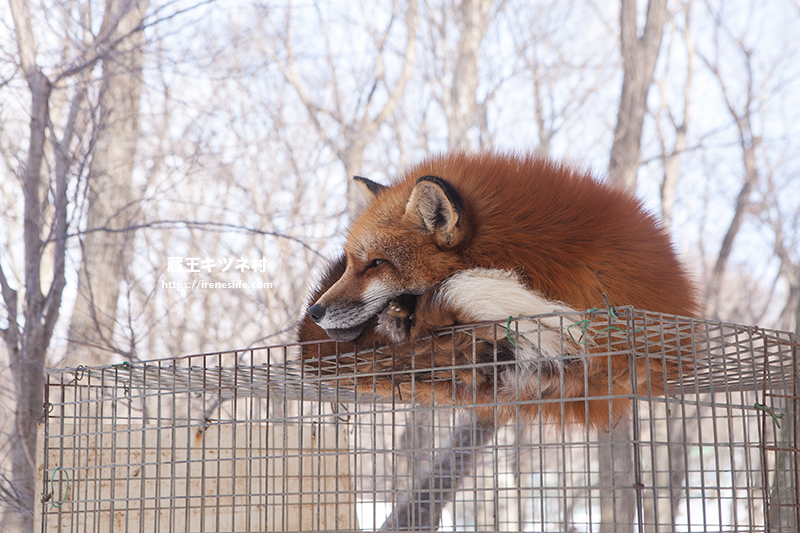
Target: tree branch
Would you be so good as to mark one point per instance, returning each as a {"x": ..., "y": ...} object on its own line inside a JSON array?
[
  {"x": 412, "y": 25},
  {"x": 103, "y": 46},
  {"x": 748, "y": 142},
  {"x": 212, "y": 226},
  {"x": 291, "y": 74},
  {"x": 11, "y": 333},
  {"x": 52, "y": 303}
]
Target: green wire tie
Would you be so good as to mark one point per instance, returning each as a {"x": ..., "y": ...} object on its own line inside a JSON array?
[
  {"x": 508, "y": 331},
  {"x": 125, "y": 365},
  {"x": 770, "y": 412},
  {"x": 584, "y": 324},
  {"x": 53, "y": 489}
]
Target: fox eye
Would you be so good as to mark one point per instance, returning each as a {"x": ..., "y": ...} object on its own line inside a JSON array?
[{"x": 376, "y": 262}]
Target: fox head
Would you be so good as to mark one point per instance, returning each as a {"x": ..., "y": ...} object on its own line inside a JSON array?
[{"x": 405, "y": 241}]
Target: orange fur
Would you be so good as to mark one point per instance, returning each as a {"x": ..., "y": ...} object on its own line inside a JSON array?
[{"x": 571, "y": 239}]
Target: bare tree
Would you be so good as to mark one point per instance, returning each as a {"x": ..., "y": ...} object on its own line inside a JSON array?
[
  {"x": 562, "y": 50},
  {"x": 31, "y": 322},
  {"x": 639, "y": 55},
  {"x": 455, "y": 67},
  {"x": 344, "y": 121},
  {"x": 787, "y": 243},
  {"x": 55, "y": 158},
  {"x": 677, "y": 121},
  {"x": 743, "y": 113},
  {"x": 107, "y": 245}
]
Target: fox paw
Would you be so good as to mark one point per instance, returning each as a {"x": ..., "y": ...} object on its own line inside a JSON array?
[{"x": 394, "y": 322}]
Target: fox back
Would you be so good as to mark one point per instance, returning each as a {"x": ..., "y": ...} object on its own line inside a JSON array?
[{"x": 571, "y": 237}]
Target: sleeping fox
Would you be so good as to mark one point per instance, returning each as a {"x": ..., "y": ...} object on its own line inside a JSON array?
[{"x": 464, "y": 238}]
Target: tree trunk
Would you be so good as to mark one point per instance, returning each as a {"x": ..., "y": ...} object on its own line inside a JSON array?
[
  {"x": 27, "y": 348},
  {"x": 437, "y": 486},
  {"x": 459, "y": 99},
  {"x": 672, "y": 173},
  {"x": 106, "y": 254},
  {"x": 739, "y": 214},
  {"x": 615, "y": 460},
  {"x": 672, "y": 161},
  {"x": 639, "y": 55}
]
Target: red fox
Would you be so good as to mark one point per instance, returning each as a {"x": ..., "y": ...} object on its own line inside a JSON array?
[{"x": 465, "y": 238}]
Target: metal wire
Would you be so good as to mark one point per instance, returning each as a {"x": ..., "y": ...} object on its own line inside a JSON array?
[{"x": 254, "y": 440}]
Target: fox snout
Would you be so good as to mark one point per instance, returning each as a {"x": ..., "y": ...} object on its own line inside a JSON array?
[
  {"x": 342, "y": 322},
  {"x": 346, "y": 310},
  {"x": 317, "y": 314}
]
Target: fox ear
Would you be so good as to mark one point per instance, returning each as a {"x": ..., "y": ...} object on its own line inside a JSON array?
[
  {"x": 369, "y": 189},
  {"x": 436, "y": 206}
]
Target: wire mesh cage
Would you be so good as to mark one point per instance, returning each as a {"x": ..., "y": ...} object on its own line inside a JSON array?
[{"x": 255, "y": 440}]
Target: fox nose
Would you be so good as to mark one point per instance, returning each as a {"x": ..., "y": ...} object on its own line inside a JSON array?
[{"x": 316, "y": 312}]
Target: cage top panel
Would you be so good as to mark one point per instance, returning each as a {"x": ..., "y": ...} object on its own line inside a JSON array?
[{"x": 709, "y": 357}]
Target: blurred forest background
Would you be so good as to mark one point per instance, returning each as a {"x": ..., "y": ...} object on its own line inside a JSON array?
[{"x": 135, "y": 132}]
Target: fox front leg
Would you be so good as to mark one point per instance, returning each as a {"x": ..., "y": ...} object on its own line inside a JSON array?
[{"x": 394, "y": 322}]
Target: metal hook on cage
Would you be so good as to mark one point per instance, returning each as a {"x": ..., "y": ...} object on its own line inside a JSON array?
[
  {"x": 396, "y": 385},
  {"x": 79, "y": 371},
  {"x": 583, "y": 325},
  {"x": 47, "y": 408},
  {"x": 337, "y": 408}
]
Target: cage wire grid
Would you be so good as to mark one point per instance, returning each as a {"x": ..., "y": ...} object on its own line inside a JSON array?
[{"x": 253, "y": 440}]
